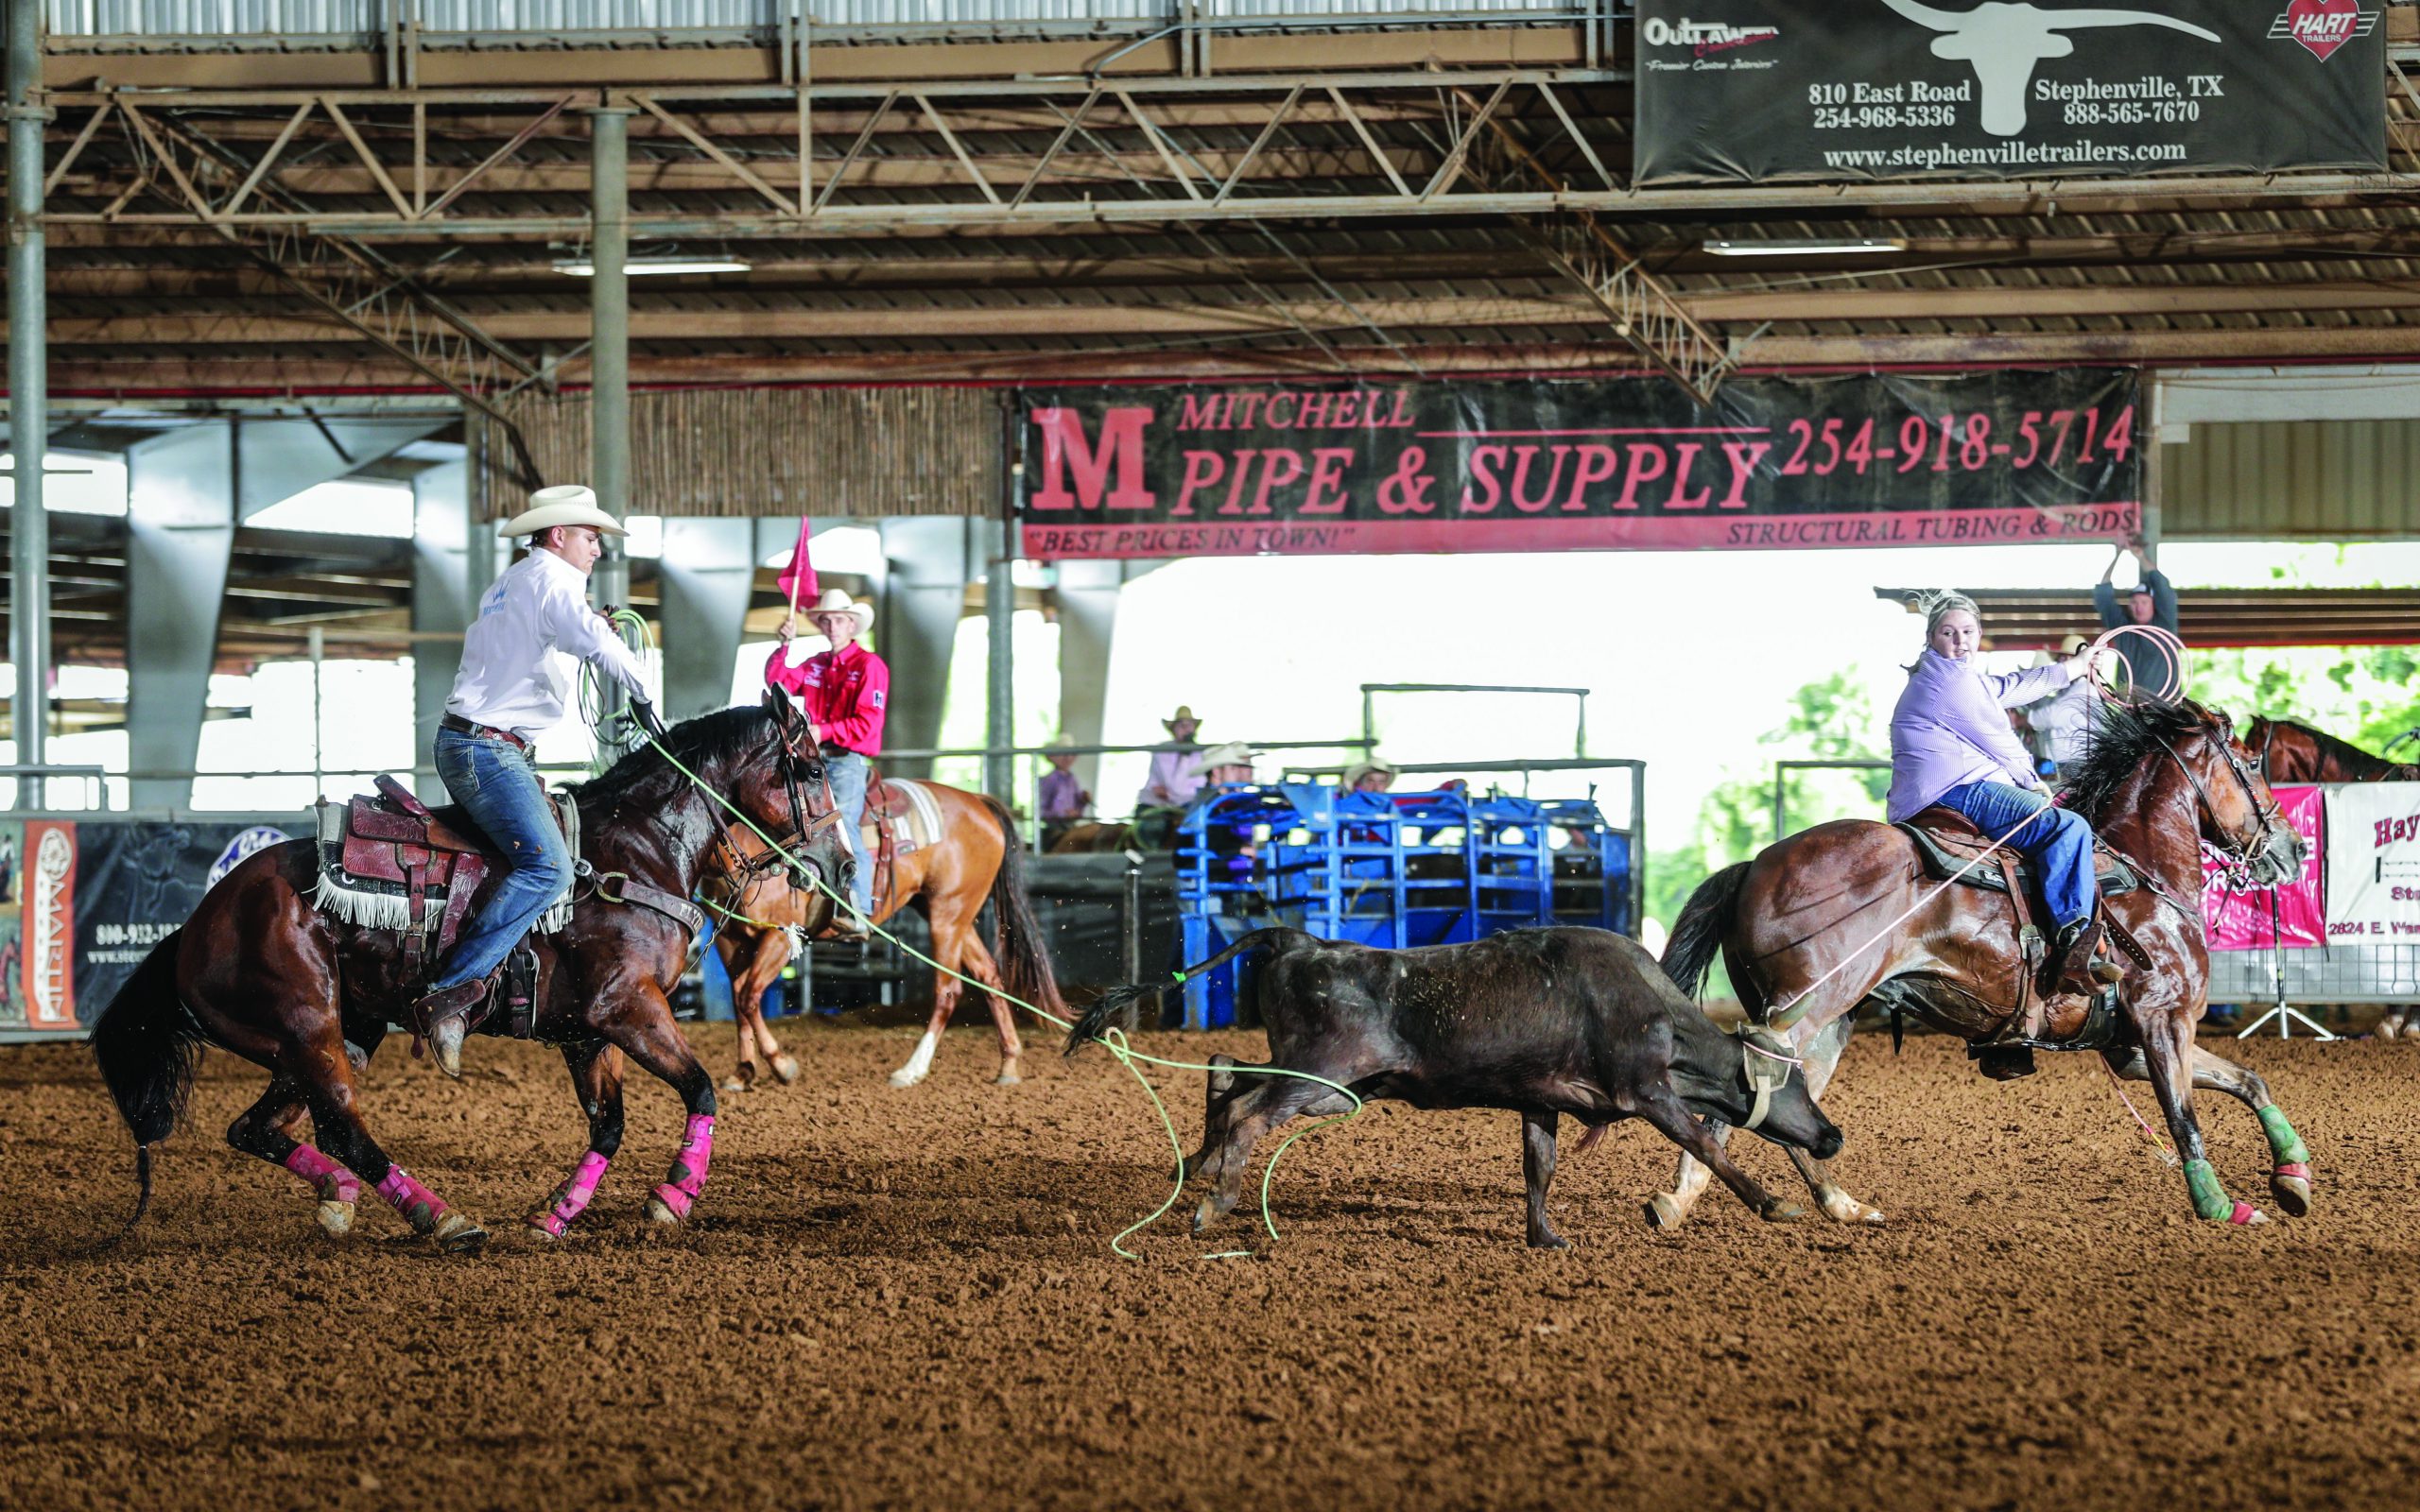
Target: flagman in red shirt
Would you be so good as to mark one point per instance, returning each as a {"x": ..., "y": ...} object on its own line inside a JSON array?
[{"x": 843, "y": 691}]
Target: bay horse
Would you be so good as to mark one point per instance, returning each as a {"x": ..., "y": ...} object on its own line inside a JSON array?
[
  {"x": 1797, "y": 927},
  {"x": 261, "y": 972},
  {"x": 2287, "y": 750},
  {"x": 977, "y": 856}
]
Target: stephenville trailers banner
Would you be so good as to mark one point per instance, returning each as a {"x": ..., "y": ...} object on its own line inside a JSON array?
[
  {"x": 1557, "y": 465},
  {"x": 1873, "y": 88}
]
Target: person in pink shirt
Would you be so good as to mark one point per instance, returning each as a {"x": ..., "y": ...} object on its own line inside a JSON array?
[{"x": 843, "y": 691}]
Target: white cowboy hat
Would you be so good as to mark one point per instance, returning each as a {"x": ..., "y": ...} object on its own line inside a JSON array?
[
  {"x": 1234, "y": 753},
  {"x": 1358, "y": 771},
  {"x": 837, "y": 601},
  {"x": 566, "y": 504}
]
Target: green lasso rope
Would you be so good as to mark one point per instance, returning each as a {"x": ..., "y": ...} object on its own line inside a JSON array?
[{"x": 1115, "y": 1039}]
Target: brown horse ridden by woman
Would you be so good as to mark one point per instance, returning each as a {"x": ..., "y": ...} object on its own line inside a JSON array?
[
  {"x": 977, "y": 855},
  {"x": 259, "y": 970},
  {"x": 1805, "y": 930}
]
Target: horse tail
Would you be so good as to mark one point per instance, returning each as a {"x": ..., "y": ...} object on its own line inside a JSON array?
[
  {"x": 1115, "y": 1000},
  {"x": 147, "y": 1044},
  {"x": 1022, "y": 954},
  {"x": 1697, "y": 935}
]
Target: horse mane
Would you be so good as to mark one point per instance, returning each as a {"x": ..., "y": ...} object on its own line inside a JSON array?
[
  {"x": 2128, "y": 735},
  {"x": 2353, "y": 758},
  {"x": 699, "y": 743}
]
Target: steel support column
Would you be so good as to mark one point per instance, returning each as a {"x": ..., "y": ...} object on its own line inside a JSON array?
[
  {"x": 703, "y": 583},
  {"x": 180, "y": 534},
  {"x": 450, "y": 557},
  {"x": 28, "y": 390},
  {"x": 609, "y": 353},
  {"x": 923, "y": 599},
  {"x": 1087, "y": 600},
  {"x": 999, "y": 683}
]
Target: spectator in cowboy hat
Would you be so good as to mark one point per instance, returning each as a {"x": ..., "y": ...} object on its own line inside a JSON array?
[
  {"x": 1224, "y": 766},
  {"x": 843, "y": 691},
  {"x": 1174, "y": 777},
  {"x": 1062, "y": 797},
  {"x": 511, "y": 686},
  {"x": 1368, "y": 776}
]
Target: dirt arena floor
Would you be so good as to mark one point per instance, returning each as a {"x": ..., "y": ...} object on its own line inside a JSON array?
[{"x": 907, "y": 1300}]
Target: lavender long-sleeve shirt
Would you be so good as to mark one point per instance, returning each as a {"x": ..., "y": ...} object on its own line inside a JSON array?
[{"x": 1949, "y": 728}]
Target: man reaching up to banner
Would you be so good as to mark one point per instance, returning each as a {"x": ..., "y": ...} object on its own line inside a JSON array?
[
  {"x": 843, "y": 691},
  {"x": 2151, "y": 601}
]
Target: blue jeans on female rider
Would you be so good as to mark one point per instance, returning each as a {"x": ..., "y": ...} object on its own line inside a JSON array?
[
  {"x": 846, "y": 771},
  {"x": 500, "y": 789},
  {"x": 2059, "y": 843}
]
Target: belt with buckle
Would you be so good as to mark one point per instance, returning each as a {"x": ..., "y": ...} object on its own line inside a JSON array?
[{"x": 463, "y": 727}]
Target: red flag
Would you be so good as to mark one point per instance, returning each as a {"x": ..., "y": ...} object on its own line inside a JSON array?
[{"x": 798, "y": 578}]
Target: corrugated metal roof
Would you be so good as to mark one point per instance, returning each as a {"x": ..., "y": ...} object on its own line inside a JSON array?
[{"x": 2307, "y": 480}]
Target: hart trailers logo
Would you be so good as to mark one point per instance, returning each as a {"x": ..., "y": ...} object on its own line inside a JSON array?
[
  {"x": 2323, "y": 26},
  {"x": 1703, "y": 38},
  {"x": 50, "y": 927}
]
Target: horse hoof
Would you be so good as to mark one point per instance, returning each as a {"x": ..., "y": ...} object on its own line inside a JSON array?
[
  {"x": 1780, "y": 1211},
  {"x": 784, "y": 1069},
  {"x": 1204, "y": 1216},
  {"x": 2293, "y": 1194},
  {"x": 902, "y": 1080},
  {"x": 1549, "y": 1241},
  {"x": 1842, "y": 1207},
  {"x": 1008, "y": 1078},
  {"x": 1664, "y": 1212},
  {"x": 658, "y": 1211},
  {"x": 457, "y": 1235},
  {"x": 734, "y": 1084},
  {"x": 336, "y": 1218}
]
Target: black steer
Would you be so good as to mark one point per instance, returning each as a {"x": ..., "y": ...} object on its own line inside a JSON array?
[{"x": 1545, "y": 1021}]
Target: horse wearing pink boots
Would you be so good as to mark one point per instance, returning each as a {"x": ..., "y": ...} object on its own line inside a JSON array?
[{"x": 260, "y": 970}]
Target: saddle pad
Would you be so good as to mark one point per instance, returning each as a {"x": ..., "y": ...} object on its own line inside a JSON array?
[
  {"x": 1946, "y": 841},
  {"x": 914, "y": 823}
]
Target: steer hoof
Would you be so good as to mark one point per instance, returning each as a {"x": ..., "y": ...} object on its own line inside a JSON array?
[
  {"x": 1778, "y": 1210},
  {"x": 1549, "y": 1240},
  {"x": 1664, "y": 1212},
  {"x": 784, "y": 1069}
]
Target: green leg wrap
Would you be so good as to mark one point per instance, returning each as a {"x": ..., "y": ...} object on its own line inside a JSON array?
[
  {"x": 2210, "y": 1200},
  {"x": 2284, "y": 1142}
]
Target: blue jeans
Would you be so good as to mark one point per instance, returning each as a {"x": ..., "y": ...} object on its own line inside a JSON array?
[
  {"x": 498, "y": 786},
  {"x": 846, "y": 771},
  {"x": 2058, "y": 842}
]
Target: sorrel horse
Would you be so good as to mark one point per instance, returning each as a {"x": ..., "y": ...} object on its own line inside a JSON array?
[
  {"x": 259, "y": 970},
  {"x": 978, "y": 855},
  {"x": 1798, "y": 928},
  {"x": 2289, "y": 751}
]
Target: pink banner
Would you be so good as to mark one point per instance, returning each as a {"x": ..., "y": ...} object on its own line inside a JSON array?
[{"x": 2240, "y": 919}]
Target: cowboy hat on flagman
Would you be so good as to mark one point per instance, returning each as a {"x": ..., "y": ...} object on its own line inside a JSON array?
[
  {"x": 565, "y": 503},
  {"x": 837, "y": 601}
]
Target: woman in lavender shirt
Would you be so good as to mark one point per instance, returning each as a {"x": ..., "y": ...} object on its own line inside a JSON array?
[{"x": 1951, "y": 744}]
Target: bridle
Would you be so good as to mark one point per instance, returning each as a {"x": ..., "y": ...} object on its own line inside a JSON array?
[
  {"x": 2271, "y": 814},
  {"x": 806, "y": 819}
]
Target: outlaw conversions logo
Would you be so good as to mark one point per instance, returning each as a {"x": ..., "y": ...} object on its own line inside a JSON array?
[
  {"x": 2323, "y": 26},
  {"x": 1703, "y": 37}
]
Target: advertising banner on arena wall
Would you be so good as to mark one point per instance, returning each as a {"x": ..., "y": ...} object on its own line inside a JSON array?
[
  {"x": 1871, "y": 89},
  {"x": 91, "y": 898},
  {"x": 1875, "y": 459},
  {"x": 2291, "y": 914},
  {"x": 2374, "y": 862}
]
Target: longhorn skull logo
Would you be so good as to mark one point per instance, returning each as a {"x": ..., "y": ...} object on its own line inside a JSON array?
[{"x": 2004, "y": 41}]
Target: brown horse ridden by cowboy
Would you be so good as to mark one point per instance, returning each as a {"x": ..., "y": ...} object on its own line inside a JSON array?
[
  {"x": 1847, "y": 914},
  {"x": 946, "y": 849},
  {"x": 270, "y": 968}
]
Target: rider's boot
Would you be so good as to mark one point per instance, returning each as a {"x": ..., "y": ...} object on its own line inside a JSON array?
[
  {"x": 2080, "y": 967},
  {"x": 443, "y": 1017}
]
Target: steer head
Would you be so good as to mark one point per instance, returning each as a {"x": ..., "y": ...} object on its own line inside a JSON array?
[{"x": 2003, "y": 41}]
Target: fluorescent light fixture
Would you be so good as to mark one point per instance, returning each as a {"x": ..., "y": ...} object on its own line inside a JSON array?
[
  {"x": 1806, "y": 247},
  {"x": 639, "y": 266}
]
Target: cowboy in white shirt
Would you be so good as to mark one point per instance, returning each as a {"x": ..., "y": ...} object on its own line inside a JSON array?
[{"x": 516, "y": 671}]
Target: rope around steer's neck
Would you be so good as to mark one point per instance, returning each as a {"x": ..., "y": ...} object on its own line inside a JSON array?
[{"x": 1115, "y": 1039}]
